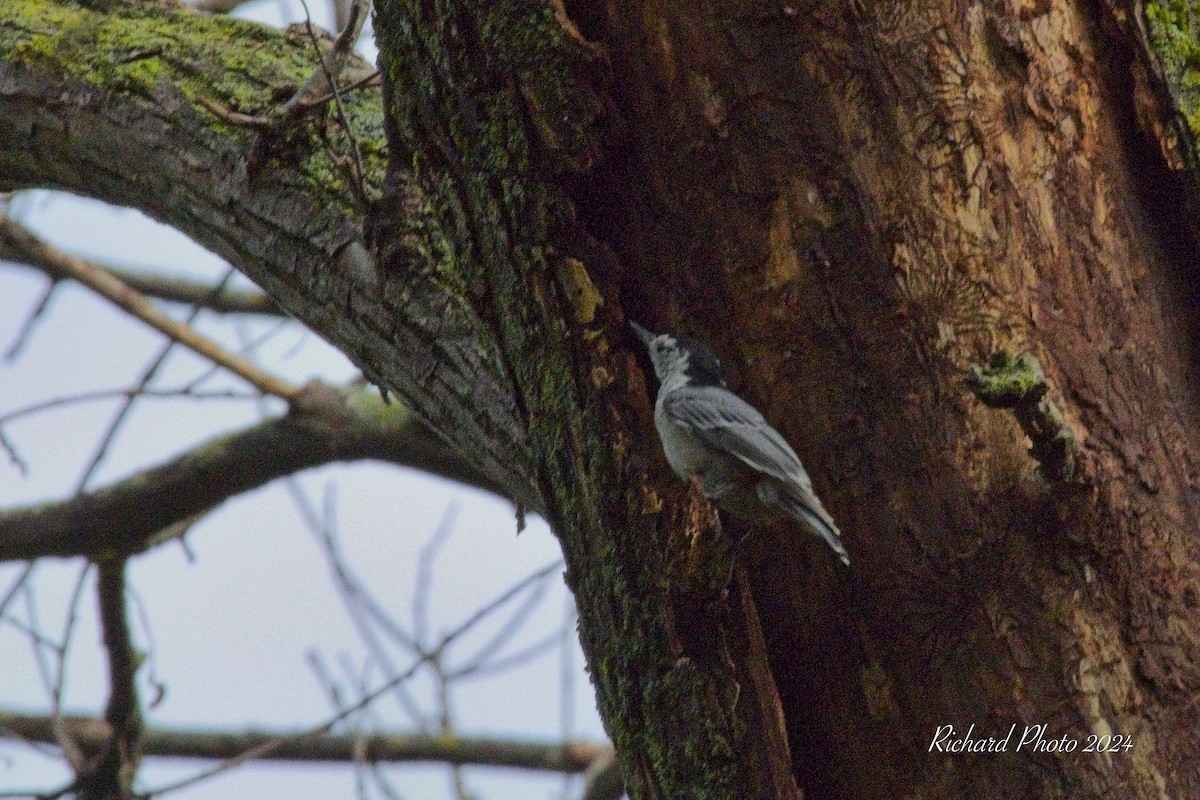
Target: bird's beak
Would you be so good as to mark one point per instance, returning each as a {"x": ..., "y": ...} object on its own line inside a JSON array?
[{"x": 646, "y": 336}]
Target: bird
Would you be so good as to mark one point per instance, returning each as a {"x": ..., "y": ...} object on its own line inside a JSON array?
[{"x": 743, "y": 464}]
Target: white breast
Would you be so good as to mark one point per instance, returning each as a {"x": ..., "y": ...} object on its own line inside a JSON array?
[{"x": 686, "y": 457}]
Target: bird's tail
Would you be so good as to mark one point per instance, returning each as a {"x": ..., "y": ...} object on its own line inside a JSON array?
[{"x": 808, "y": 512}]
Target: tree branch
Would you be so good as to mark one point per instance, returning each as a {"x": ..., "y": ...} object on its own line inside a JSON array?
[
  {"x": 275, "y": 204},
  {"x": 165, "y": 287},
  {"x": 92, "y": 735},
  {"x": 604, "y": 780},
  {"x": 217, "y": 6},
  {"x": 111, "y": 771},
  {"x": 23, "y": 241},
  {"x": 324, "y": 79},
  {"x": 194, "y": 293},
  {"x": 325, "y": 425}
]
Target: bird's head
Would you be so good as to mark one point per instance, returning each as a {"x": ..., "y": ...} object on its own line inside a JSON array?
[{"x": 677, "y": 358}]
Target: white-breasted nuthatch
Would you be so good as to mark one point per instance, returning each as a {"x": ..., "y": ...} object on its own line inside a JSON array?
[{"x": 743, "y": 464}]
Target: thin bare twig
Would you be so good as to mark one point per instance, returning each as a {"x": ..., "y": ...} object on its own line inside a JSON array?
[
  {"x": 383, "y": 784},
  {"x": 486, "y": 610},
  {"x": 566, "y": 684},
  {"x": 320, "y": 87},
  {"x": 247, "y": 347},
  {"x": 150, "y": 649},
  {"x": 236, "y": 118},
  {"x": 423, "y": 586},
  {"x": 494, "y": 666},
  {"x": 516, "y": 620},
  {"x": 196, "y": 293},
  {"x": 109, "y": 394},
  {"x": 370, "y": 79},
  {"x": 446, "y": 723},
  {"x": 13, "y": 455},
  {"x": 70, "y": 749},
  {"x": 265, "y": 748},
  {"x": 15, "y": 587},
  {"x": 360, "y": 604},
  {"x": 152, "y": 284},
  {"x": 330, "y": 72},
  {"x": 324, "y": 79},
  {"x": 23, "y": 335},
  {"x": 37, "y": 640},
  {"x": 325, "y": 680},
  {"x": 116, "y": 291},
  {"x": 118, "y": 420}
]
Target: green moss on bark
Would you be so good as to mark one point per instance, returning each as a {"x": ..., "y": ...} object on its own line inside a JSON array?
[
  {"x": 150, "y": 50},
  {"x": 137, "y": 47},
  {"x": 1174, "y": 28}
]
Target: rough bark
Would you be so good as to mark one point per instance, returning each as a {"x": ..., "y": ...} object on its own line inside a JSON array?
[
  {"x": 853, "y": 203},
  {"x": 491, "y": 111}
]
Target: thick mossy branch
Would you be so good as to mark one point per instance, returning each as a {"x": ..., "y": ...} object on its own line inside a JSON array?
[
  {"x": 79, "y": 84},
  {"x": 143, "y": 49},
  {"x": 1018, "y": 382}
]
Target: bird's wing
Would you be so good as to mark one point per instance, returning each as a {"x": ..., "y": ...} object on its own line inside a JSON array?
[{"x": 722, "y": 420}]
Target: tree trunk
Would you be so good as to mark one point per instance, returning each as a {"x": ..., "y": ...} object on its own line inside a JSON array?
[{"x": 853, "y": 203}]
